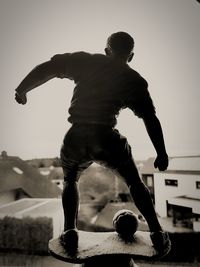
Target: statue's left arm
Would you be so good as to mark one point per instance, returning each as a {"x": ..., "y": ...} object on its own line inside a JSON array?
[{"x": 140, "y": 102}]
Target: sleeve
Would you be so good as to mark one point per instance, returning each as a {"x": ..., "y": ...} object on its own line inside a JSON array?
[
  {"x": 140, "y": 101},
  {"x": 69, "y": 65}
]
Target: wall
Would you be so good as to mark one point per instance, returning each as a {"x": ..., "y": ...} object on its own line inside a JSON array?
[
  {"x": 186, "y": 186},
  {"x": 58, "y": 223},
  {"x": 20, "y": 260},
  {"x": 35, "y": 208}
]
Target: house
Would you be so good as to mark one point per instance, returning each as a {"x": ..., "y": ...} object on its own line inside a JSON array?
[
  {"x": 147, "y": 174},
  {"x": 18, "y": 180},
  {"x": 177, "y": 190},
  {"x": 56, "y": 176}
]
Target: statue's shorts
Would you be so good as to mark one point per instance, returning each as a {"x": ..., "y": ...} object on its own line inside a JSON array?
[{"x": 87, "y": 143}]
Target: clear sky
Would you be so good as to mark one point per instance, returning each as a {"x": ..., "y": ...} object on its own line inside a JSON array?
[{"x": 167, "y": 54}]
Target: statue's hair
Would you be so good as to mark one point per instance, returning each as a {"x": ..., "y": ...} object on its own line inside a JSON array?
[{"x": 121, "y": 43}]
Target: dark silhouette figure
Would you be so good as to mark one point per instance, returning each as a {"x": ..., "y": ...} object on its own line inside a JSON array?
[{"x": 105, "y": 84}]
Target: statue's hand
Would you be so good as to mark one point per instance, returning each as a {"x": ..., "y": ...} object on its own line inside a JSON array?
[
  {"x": 20, "y": 98},
  {"x": 161, "y": 162}
]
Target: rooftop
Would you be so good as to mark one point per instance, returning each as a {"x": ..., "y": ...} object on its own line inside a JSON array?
[
  {"x": 18, "y": 174},
  {"x": 29, "y": 207},
  {"x": 185, "y": 164}
]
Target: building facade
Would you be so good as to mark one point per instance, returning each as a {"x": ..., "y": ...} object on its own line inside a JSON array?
[{"x": 177, "y": 191}]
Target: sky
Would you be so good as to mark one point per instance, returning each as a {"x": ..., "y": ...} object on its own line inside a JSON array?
[{"x": 167, "y": 43}]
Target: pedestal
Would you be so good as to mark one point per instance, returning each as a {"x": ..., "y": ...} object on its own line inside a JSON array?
[{"x": 110, "y": 261}]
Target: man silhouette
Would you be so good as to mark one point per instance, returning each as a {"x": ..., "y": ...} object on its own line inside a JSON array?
[{"x": 105, "y": 84}]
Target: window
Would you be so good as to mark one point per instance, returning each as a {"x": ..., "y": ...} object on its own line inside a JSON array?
[
  {"x": 170, "y": 182},
  {"x": 149, "y": 181},
  {"x": 197, "y": 184},
  {"x": 17, "y": 170}
]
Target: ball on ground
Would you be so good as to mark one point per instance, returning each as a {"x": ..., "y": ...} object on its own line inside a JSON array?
[{"x": 125, "y": 223}]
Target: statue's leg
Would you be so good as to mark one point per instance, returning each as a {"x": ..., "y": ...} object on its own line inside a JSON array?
[
  {"x": 121, "y": 160},
  {"x": 70, "y": 195},
  {"x": 70, "y": 202},
  {"x": 140, "y": 194},
  {"x": 74, "y": 161},
  {"x": 119, "y": 157}
]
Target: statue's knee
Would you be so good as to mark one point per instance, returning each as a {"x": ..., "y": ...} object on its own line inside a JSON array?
[{"x": 68, "y": 182}]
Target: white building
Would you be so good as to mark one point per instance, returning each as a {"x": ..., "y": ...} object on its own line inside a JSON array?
[{"x": 179, "y": 186}]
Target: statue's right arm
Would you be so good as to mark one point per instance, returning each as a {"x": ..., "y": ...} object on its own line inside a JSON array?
[{"x": 39, "y": 75}]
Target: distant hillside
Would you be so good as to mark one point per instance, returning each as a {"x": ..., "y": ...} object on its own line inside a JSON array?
[
  {"x": 97, "y": 184},
  {"x": 44, "y": 162}
]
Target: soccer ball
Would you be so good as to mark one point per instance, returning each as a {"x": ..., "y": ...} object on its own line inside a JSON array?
[{"x": 125, "y": 223}]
